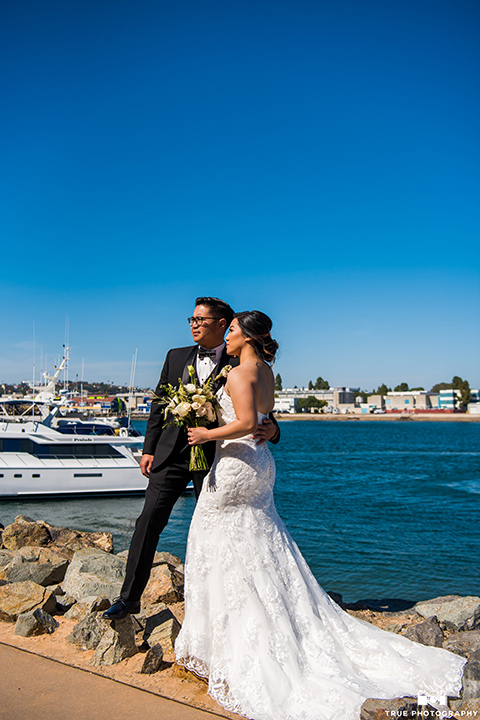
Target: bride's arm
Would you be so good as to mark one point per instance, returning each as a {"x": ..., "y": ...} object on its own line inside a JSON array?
[{"x": 241, "y": 390}]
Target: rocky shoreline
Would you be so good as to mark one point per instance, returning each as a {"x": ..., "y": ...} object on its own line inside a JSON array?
[{"x": 56, "y": 582}]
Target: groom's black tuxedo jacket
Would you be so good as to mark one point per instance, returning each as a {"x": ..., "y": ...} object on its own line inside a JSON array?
[{"x": 164, "y": 442}]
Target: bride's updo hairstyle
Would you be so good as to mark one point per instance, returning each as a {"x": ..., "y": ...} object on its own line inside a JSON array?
[{"x": 257, "y": 326}]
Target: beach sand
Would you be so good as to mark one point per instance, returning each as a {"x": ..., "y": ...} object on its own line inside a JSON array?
[{"x": 387, "y": 417}]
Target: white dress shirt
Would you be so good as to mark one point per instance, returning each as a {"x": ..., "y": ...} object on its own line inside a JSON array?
[{"x": 205, "y": 367}]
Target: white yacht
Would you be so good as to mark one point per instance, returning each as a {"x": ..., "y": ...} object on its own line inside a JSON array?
[{"x": 38, "y": 461}]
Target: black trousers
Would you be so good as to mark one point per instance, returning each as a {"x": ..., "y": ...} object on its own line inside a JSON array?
[{"x": 163, "y": 490}]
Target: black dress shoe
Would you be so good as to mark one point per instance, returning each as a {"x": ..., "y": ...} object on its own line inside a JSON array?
[{"x": 121, "y": 608}]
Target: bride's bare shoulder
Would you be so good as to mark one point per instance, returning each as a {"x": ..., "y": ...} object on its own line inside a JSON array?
[
  {"x": 252, "y": 371},
  {"x": 240, "y": 379},
  {"x": 241, "y": 373}
]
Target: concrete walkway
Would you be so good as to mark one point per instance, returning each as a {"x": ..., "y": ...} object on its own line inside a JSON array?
[{"x": 36, "y": 688}]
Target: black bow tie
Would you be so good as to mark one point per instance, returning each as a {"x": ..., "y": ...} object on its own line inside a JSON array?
[{"x": 204, "y": 353}]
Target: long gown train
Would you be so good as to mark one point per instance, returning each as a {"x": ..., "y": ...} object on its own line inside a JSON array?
[{"x": 272, "y": 643}]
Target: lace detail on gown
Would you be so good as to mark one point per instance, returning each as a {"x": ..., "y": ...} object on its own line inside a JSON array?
[{"x": 271, "y": 642}]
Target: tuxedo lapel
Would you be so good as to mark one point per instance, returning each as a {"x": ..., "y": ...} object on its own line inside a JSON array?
[{"x": 191, "y": 360}]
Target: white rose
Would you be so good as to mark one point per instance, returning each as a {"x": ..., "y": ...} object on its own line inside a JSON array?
[
  {"x": 198, "y": 399},
  {"x": 183, "y": 409},
  {"x": 196, "y": 406},
  {"x": 190, "y": 388}
]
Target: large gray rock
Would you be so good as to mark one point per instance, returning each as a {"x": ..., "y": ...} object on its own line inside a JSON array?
[
  {"x": 161, "y": 628},
  {"x": 88, "y": 632},
  {"x": 35, "y": 622},
  {"x": 456, "y": 612},
  {"x": 153, "y": 660},
  {"x": 21, "y": 597},
  {"x": 41, "y": 573},
  {"x": 39, "y": 564},
  {"x": 427, "y": 632},
  {"x": 87, "y": 606},
  {"x": 25, "y": 532},
  {"x": 94, "y": 572},
  {"x": 471, "y": 677},
  {"x": 116, "y": 644},
  {"x": 68, "y": 541},
  {"x": 463, "y": 643}
]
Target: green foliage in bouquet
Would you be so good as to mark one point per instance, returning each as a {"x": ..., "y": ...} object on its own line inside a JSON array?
[{"x": 191, "y": 405}]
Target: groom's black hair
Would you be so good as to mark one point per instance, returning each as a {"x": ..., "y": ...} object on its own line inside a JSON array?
[{"x": 218, "y": 307}]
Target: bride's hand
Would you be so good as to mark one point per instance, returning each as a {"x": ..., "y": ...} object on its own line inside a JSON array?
[{"x": 197, "y": 436}]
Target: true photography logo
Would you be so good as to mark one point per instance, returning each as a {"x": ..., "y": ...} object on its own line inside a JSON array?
[{"x": 432, "y": 707}]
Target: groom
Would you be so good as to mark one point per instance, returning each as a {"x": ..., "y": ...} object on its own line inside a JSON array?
[{"x": 166, "y": 452}]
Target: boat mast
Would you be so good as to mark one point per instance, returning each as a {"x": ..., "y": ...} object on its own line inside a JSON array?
[
  {"x": 33, "y": 385},
  {"x": 67, "y": 348},
  {"x": 132, "y": 380},
  {"x": 81, "y": 384}
]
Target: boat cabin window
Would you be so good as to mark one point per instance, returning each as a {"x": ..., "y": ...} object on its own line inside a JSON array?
[{"x": 60, "y": 450}]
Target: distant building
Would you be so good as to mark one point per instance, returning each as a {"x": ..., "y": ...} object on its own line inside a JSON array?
[
  {"x": 375, "y": 402},
  {"x": 411, "y": 400},
  {"x": 448, "y": 399},
  {"x": 143, "y": 408},
  {"x": 344, "y": 398},
  {"x": 400, "y": 401},
  {"x": 341, "y": 399},
  {"x": 284, "y": 405}
]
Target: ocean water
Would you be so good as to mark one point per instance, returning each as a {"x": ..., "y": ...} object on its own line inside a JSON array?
[{"x": 379, "y": 509}]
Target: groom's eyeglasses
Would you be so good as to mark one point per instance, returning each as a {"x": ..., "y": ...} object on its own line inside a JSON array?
[{"x": 200, "y": 320}]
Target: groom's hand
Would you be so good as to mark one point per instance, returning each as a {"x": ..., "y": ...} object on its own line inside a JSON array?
[
  {"x": 265, "y": 432},
  {"x": 146, "y": 464}
]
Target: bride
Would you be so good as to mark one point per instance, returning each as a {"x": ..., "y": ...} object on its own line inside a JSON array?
[{"x": 272, "y": 643}]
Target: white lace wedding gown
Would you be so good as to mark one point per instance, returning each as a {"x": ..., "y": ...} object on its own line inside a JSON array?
[{"x": 272, "y": 643}]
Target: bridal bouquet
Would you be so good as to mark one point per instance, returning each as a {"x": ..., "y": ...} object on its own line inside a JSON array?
[{"x": 191, "y": 405}]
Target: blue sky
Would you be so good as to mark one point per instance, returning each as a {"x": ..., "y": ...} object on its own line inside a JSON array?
[{"x": 315, "y": 160}]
